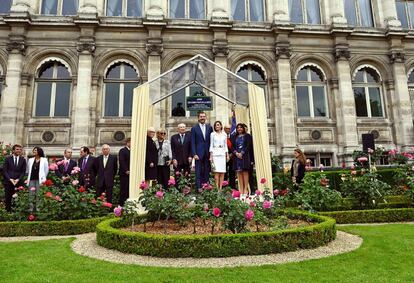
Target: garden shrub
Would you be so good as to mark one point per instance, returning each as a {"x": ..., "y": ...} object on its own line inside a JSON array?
[{"x": 371, "y": 215}]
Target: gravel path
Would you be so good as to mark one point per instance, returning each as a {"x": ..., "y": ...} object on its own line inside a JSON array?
[{"x": 86, "y": 245}]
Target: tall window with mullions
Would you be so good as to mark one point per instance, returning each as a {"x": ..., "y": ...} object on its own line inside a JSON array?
[
  {"x": 124, "y": 8},
  {"x": 248, "y": 10},
  {"x": 187, "y": 9},
  {"x": 59, "y": 7},
  {"x": 405, "y": 12},
  {"x": 359, "y": 12}
]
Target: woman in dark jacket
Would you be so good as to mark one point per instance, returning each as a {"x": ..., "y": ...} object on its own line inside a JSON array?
[
  {"x": 151, "y": 157},
  {"x": 242, "y": 143},
  {"x": 297, "y": 170}
]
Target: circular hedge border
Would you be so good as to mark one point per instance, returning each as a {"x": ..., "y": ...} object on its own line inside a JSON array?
[
  {"x": 371, "y": 215},
  {"x": 49, "y": 228},
  {"x": 221, "y": 245}
]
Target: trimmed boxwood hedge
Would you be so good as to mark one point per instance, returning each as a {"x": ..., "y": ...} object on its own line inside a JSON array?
[
  {"x": 371, "y": 216},
  {"x": 48, "y": 228},
  {"x": 223, "y": 245}
]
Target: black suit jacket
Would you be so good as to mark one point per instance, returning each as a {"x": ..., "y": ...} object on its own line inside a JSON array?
[
  {"x": 301, "y": 172},
  {"x": 61, "y": 168},
  {"x": 181, "y": 152},
  {"x": 13, "y": 172},
  {"x": 108, "y": 173},
  {"x": 124, "y": 158},
  {"x": 87, "y": 174}
]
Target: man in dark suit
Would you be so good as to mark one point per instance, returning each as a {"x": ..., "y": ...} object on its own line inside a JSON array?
[
  {"x": 86, "y": 165},
  {"x": 14, "y": 169},
  {"x": 181, "y": 150},
  {"x": 106, "y": 167},
  {"x": 65, "y": 165},
  {"x": 200, "y": 146},
  {"x": 124, "y": 157}
]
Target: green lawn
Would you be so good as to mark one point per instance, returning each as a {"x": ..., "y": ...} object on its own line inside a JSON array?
[{"x": 387, "y": 255}]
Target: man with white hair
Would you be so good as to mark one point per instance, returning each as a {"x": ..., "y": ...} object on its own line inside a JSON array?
[
  {"x": 106, "y": 167},
  {"x": 181, "y": 150}
]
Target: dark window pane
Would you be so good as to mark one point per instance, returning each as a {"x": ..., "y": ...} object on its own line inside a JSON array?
[
  {"x": 326, "y": 161},
  {"x": 46, "y": 71},
  {"x": 177, "y": 9},
  {"x": 256, "y": 11},
  {"x": 129, "y": 72},
  {"x": 128, "y": 94},
  {"x": 372, "y": 75},
  {"x": 112, "y": 99},
  {"x": 375, "y": 102},
  {"x": 43, "y": 98},
  {"x": 5, "y": 6},
  {"x": 411, "y": 78},
  {"x": 114, "y": 8},
  {"x": 243, "y": 72},
  {"x": 359, "y": 77},
  {"x": 365, "y": 13},
  {"x": 178, "y": 103},
  {"x": 402, "y": 14},
  {"x": 49, "y": 7},
  {"x": 302, "y": 97},
  {"x": 257, "y": 74},
  {"x": 62, "y": 99},
  {"x": 360, "y": 102},
  {"x": 197, "y": 9},
  {"x": 295, "y": 11},
  {"x": 70, "y": 7},
  {"x": 134, "y": 8},
  {"x": 62, "y": 72},
  {"x": 114, "y": 72},
  {"x": 238, "y": 10},
  {"x": 313, "y": 12},
  {"x": 303, "y": 75},
  {"x": 316, "y": 74},
  {"x": 319, "y": 106},
  {"x": 350, "y": 12}
]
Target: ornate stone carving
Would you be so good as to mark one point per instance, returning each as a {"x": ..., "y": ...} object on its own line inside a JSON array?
[
  {"x": 282, "y": 50},
  {"x": 220, "y": 48},
  {"x": 154, "y": 46},
  {"x": 341, "y": 52},
  {"x": 397, "y": 56},
  {"x": 17, "y": 46},
  {"x": 86, "y": 46}
]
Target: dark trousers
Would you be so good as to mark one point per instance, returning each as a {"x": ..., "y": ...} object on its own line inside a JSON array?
[
  {"x": 202, "y": 170},
  {"x": 124, "y": 189},
  {"x": 9, "y": 190},
  {"x": 230, "y": 175},
  {"x": 104, "y": 188},
  {"x": 163, "y": 175},
  {"x": 182, "y": 168},
  {"x": 252, "y": 182}
]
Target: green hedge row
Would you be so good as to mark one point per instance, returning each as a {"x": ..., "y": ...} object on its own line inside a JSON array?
[
  {"x": 47, "y": 228},
  {"x": 371, "y": 216},
  {"x": 224, "y": 245}
]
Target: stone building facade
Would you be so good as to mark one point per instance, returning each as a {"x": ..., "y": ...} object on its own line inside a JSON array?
[{"x": 331, "y": 70}]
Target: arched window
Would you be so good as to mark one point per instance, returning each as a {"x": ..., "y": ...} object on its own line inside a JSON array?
[
  {"x": 53, "y": 88},
  {"x": 5, "y": 6},
  {"x": 367, "y": 93},
  {"x": 59, "y": 7},
  {"x": 248, "y": 10},
  {"x": 187, "y": 9},
  {"x": 124, "y": 8},
  {"x": 120, "y": 81},
  {"x": 359, "y": 13},
  {"x": 311, "y": 92},
  {"x": 255, "y": 74},
  {"x": 305, "y": 12}
]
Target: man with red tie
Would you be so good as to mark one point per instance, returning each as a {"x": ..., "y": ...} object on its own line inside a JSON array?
[{"x": 14, "y": 169}]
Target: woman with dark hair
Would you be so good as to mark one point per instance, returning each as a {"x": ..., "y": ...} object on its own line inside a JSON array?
[
  {"x": 37, "y": 169},
  {"x": 151, "y": 157},
  {"x": 242, "y": 142},
  {"x": 218, "y": 153},
  {"x": 297, "y": 170}
]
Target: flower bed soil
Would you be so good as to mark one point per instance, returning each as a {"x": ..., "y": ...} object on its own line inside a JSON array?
[{"x": 202, "y": 227}]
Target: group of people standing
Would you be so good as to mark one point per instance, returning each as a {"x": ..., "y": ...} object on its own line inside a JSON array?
[
  {"x": 96, "y": 173},
  {"x": 206, "y": 148}
]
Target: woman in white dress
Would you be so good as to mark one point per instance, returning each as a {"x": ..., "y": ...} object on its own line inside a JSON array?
[{"x": 218, "y": 153}]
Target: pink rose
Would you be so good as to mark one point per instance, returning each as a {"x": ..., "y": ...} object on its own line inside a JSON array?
[
  {"x": 60, "y": 162},
  {"x": 31, "y": 217},
  {"x": 352, "y": 167},
  {"x": 171, "y": 182},
  {"x": 235, "y": 194},
  {"x": 276, "y": 192},
  {"x": 75, "y": 182},
  {"x": 143, "y": 186},
  {"x": 53, "y": 167},
  {"x": 252, "y": 204},
  {"x": 177, "y": 173},
  {"x": 48, "y": 194},
  {"x": 362, "y": 159},
  {"x": 258, "y": 193},
  {"x": 207, "y": 186},
  {"x": 216, "y": 212},
  {"x": 33, "y": 189},
  {"x": 267, "y": 204},
  {"x": 57, "y": 198},
  {"x": 159, "y": 194},
  {"x": 224, "y": 183},
  {"x": 370, "y": 150},
  {"x": 107, "y": 204},
  {"x": 249, "y": 215},
  {"x": 77, "y": 169},
  {"x": 118, "y": 211},
  {"x": 263, "y": 180}
]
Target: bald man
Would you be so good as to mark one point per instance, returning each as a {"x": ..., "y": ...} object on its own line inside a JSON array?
[
  {"x": 106, "y": 167},
  {"x": 181, "y": 150}
]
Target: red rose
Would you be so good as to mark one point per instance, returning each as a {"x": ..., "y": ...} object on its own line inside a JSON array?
[
  {"x": 31, "y": 217},
  {"x": 48, "y": 183},
  {"x": 107, "y": 204},
  {"x": 81, "y": 189},
  {"x": 48, "y": 194}
]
